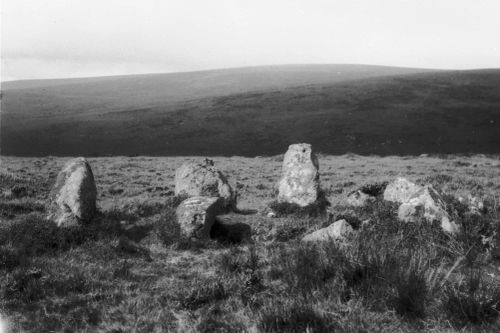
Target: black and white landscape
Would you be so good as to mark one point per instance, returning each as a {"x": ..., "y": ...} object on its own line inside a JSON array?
[
  {"x": 256, "y": 111},
  {"x": 264, "y": 166}
]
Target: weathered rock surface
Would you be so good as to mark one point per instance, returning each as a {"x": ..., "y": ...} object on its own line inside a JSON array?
[
  {"x": 196, "y": 216},
  {"x": 400, "y": 190},
  {"x": 73, "y": 198},
  {"x": 419, "y": 201},
  {"x": 427, "y": 203},
  {"x": 337, "y": 230},
  {"x": 299, "y": 182},
  {"x": 202, "y": 178},
  {"x": 433, "y": 207},
  {"x": 227, "y": 229}
]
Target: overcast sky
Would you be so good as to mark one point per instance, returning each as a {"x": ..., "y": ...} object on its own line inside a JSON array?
[{"x": 75, "y": 38}]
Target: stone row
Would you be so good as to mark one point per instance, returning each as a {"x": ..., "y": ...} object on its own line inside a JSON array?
[{"x": 208, "y": 194}]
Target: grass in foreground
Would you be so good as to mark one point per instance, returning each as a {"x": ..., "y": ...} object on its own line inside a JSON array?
[{"x": 130, "y": 271}]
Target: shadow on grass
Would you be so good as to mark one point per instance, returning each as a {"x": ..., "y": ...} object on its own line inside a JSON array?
[
  {"x": 318, "y": 208},
  {"x": 246, "y": 211},
  {"x": 34, "y": 235}
]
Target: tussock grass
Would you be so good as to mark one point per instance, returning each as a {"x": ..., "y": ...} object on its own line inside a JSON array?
[
  {"x": 294, "y": 316},
  {"x": 10, "y": 257},
  {"x": 35, "y": 235},
  {"x": 11, "y": 208},
  {"x": 374, "y": 189},
  {"x": 220, "y": 320},
  {"x": 238, "y": 260},
  {"x": 472, "y": 300},
  {"x": 200, "y": 292},
  {"x": 304, "y": 268},
  {"x": 129, "y": 271},
  {"x": 295, "y": 228},
  {"x": 168, "y": 229},
  {"x": 389, "y": 265}
]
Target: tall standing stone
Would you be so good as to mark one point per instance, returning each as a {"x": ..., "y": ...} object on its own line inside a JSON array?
[
  {"x": 202, "y": 178},
  {"x": 299, "y": 182},
  {"x": 73, "y": 198}
]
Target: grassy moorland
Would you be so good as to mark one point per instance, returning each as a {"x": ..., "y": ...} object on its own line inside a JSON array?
[
  {"x": 256, "y": 111},
  {"x": 128, "y": 272}
]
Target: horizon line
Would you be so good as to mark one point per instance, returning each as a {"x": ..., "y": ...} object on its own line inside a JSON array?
[{"x": 246, "y": 67}]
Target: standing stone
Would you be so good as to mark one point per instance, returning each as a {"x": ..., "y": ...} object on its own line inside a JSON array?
[
  {"x": 73, "y": 198},
  {"x": 202, "y": 178},
  {"x": 299, "y": 182},
  {"x": 196, "y": 216}
]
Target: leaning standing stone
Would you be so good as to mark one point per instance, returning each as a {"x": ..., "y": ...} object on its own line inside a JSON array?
[
  {"x": 204, "y": 179},
  {"x": 73, "y": 198},
  {"x": 196, "y": 216},
  {"x": 299, "y": 182}
]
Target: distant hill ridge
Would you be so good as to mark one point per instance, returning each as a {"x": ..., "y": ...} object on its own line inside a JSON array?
[
  {"x": 297, "y": 73},
  {"x": 256, "y": 111}
]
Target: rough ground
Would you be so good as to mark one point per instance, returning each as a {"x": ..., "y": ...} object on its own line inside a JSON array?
[{"x": 109, "y": 283}]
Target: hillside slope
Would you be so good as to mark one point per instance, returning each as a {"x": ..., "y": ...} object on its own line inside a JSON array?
[
  {"x": 67, "y": 97},
  {"x": 384, "y": 113}
]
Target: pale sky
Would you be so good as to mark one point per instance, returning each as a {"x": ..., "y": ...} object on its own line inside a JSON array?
[{"x": 77, "y": 38}]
